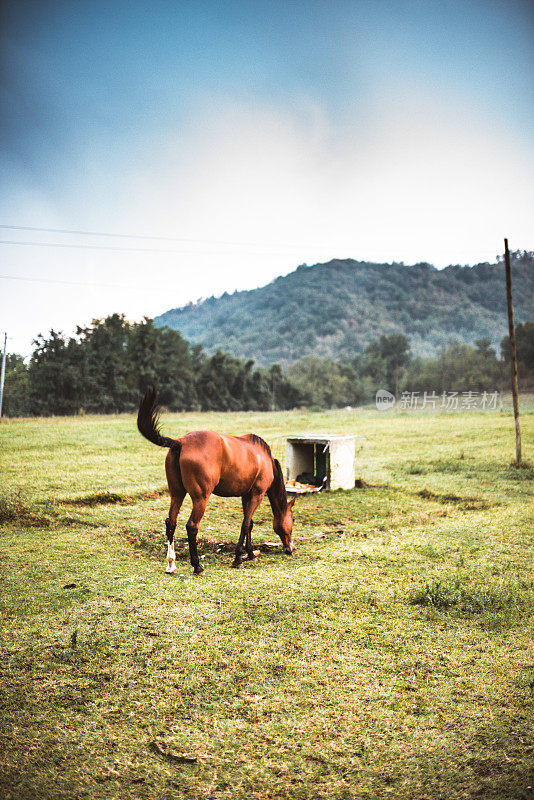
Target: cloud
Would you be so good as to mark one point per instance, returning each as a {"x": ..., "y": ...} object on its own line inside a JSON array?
[
  {"x": 423, "y": 181},
  {"x": 259, "y": 188}
]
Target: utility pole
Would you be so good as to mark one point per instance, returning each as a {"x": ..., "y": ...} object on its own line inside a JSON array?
[
  {"x": 513, "y": 352},
  {"x": 3, "y": 374}
]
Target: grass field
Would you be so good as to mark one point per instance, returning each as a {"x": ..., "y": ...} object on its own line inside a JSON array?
[{"x": 393, "y": 660}]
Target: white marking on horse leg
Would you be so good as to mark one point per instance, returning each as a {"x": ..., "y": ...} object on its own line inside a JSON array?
[{"x": 171, "y": 556}]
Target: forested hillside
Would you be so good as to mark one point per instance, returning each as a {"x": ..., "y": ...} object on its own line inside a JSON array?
[{"x": 334, "y": 310}]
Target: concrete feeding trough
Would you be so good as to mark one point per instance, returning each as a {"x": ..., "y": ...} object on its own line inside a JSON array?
[{"x": 317, "y": 462}]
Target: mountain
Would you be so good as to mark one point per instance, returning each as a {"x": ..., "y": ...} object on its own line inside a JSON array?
[{"x": 335, "y": 309}]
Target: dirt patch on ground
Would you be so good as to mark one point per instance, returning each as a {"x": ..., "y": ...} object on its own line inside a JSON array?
[
  {"x": 113, "y": 498},
  {"x": 466, "y": 503}
]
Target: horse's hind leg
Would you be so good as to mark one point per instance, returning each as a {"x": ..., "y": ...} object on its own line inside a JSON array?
[
  {"x": 197, "y": 512},
  {"x": 177, "y": 493},
  {"x": 170, "y": 527}
]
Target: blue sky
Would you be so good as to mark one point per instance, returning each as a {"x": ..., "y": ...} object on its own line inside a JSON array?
[{"x": 255, "y": 136}]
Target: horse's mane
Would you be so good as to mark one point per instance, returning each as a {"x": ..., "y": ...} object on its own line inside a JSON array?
[
  {"x": 260, "y": 442},
  {"x": 277, "y": 492}
]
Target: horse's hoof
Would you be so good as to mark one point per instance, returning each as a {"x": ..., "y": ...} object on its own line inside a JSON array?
[
  {"x": 198, "y": 572},
  {"x": 236, "y": 564},
  {"x": 170, "y": 570}
]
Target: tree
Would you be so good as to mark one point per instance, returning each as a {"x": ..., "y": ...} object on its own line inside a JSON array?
[
  {"x": 384, "y": 361},
  {"x": 220, "y": 383},
  {"x": 105, "y": 365},
  {"x": 458, "y": 368},
  {"x": 176, "y": 367},
  {"x": 524, "y": 337},
  {"x": 53, "y": 376},
  {"x": 321, "y": 382},
  {"x": 284, "y": 394},
  {"x": 15, "y": 400}
]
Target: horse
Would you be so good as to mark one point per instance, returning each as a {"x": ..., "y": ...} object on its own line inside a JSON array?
[{"x": 202, "y": 463}]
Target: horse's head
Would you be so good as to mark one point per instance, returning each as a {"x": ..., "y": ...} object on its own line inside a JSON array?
[{"x": 283, "y": 526}]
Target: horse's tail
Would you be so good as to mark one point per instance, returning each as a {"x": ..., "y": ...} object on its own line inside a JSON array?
[{"x": 148, "y": 421}]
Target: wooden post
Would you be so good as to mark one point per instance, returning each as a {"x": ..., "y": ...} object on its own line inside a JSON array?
[{"x": 513, "y": 352}]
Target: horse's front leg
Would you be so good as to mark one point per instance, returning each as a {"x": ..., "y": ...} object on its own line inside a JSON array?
[
  {"x": 238, "y": 559},
  {"x": 248, "y": 542},
  {"x": 250, "y": 504}
]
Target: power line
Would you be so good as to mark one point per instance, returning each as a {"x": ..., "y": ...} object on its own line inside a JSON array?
[
  {"x": 91, "y": 247},
  {"x": 148, "y": 237},
  {"x": 152, "y": 237},
  {"x": 79, "y": 283},
  {"x": 166, "y": 251},
  {"x": 116, "y": 248},
  {"x": 95, "y": 233}
]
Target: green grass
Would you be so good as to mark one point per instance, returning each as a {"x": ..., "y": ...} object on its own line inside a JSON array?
[{"x": 391, "y": 661}]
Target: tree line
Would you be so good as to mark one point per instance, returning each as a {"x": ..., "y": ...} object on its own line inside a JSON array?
[{"x": 105, "y": 368}]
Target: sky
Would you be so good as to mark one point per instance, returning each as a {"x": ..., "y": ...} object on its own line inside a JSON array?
[{"x": 213, "y": 146}]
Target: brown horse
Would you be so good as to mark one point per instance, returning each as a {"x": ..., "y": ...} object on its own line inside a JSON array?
[{"x": 202, "y": 463}]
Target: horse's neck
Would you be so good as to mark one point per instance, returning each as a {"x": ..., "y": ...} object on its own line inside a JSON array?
[{"x": 275, "y": 504}]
